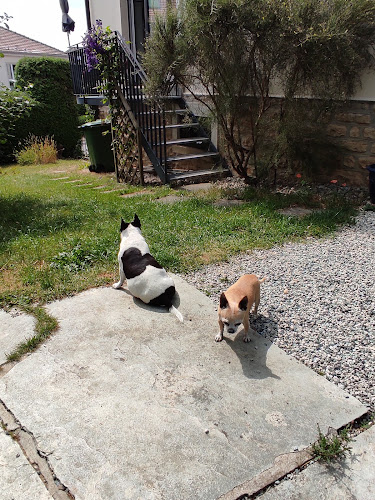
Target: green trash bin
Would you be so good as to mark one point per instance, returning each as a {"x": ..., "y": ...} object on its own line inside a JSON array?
[{"x": 99, "y": 144}]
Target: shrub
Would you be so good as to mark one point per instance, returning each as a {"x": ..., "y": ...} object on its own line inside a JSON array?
[
  {"x": 15, "y": 107},
  {"x": 316, "y": 48},
  {"x": 37, "y": 150},
  {"x": 49, "y": 82},
  {"x": 27, "y": 157}
]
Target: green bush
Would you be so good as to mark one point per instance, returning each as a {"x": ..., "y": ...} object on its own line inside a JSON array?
[
  {"x": 15, "y": 107},
  {"x": 48, "y": 80},
  {"x": 37, "y": 151},
  {"x": 27, "y": 157}
]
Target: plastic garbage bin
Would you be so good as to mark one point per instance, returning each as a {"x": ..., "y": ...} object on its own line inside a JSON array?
[
  {"x": 371, "y": 170},
  {"x": 99, "y": 144}
]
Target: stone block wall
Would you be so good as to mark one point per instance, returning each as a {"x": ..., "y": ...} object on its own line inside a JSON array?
[{"x": 353, "y": 130}]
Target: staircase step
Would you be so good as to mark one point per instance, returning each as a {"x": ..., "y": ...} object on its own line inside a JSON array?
[
  {"x": 178, "y": 126},
  {"x": 191, "y": 156},
  {"x": 183, "y": 111},
  {"x": 188, "y": 140},
  {"x": 169, "y": 112},
  {"x": 197, "y": 175},
  {"x": 183, "y": 125}
]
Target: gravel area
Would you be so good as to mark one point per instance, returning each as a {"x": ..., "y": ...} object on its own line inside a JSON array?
[{"x": 317, "y": 303}]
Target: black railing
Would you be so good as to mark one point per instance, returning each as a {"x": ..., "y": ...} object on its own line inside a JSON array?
[
  {"x": 131, "y": 82},
  {"x": 85, "y": 82},
  {"x": 149, "y": 115}
]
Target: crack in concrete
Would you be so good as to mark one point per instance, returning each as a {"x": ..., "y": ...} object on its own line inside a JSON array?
[
  {"x": 37, "y": 458},
  {"x": 7, "y": 366},
  {"x": 283, "y": 465}
]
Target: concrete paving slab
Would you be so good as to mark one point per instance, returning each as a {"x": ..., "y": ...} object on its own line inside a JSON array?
[
  {"x": 229, "y": 203},
  {"x": 129, "y": 403},
  {"x": 15, "y": 327},
  {"x": 347, "y": 479},
  {"x": 172, "y": 198},
  {"x": 296, "y": 211},
  {"x": 18, "y": 479},
  {"x": 201, "y": 186}
]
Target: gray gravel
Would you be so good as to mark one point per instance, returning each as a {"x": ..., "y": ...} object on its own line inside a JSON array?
[{"x": 317, "y": 303}]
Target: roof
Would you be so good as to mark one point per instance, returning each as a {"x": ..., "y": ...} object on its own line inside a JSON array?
[{"x": 10, "y": 41}]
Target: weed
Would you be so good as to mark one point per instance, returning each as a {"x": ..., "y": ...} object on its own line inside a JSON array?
[
  {"x": 333, "y": 446},
  {"x": 37, "y": 151},
  {"x": 74, "y": 260}
]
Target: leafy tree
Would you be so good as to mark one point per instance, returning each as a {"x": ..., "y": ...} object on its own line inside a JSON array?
[{"x": 229, "y": 54}]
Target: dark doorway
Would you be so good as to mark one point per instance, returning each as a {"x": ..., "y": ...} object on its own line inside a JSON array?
[{"x": 138, "y": 24}]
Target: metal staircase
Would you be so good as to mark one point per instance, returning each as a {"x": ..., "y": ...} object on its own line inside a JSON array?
[{"x": 179, "y": 150}]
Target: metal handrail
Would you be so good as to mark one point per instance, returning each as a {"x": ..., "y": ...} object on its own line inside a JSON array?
[
  {"x": 150, "y": 116},
  {"x": 131, "y": 81}
]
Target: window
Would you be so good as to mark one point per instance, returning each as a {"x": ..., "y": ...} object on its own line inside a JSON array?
[{"x": 10, "y": 70}]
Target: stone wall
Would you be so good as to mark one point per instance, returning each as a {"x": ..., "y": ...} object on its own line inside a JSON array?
[{"x": 353, "y": 129}]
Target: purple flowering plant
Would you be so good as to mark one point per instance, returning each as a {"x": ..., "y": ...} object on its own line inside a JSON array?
[{"x": 97, "y": 42}]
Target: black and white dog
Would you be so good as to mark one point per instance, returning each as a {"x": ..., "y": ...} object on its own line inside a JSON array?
[{"x": 146, "y": 278}]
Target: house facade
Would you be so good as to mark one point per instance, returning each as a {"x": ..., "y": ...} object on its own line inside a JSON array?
[
  {"x": 14, "y": 47},
  {"x": 352, "y": 129},
  {"x": 131, "y": 18}
]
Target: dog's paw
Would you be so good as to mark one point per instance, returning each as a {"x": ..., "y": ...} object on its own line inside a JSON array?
[
  {"x": 218, "y": 337},
  {"x": 117, "y": 285},
  {"x": 247, "y": 339}
]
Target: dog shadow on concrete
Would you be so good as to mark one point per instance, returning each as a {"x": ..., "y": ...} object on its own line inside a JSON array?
[
  {"x": 156, "y": 309},
  {"x": 253, "y": 355}
]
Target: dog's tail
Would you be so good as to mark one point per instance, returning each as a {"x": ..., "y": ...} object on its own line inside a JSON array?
[
  {"x": 177, "y": 313},
  {"x": 263, "y": 279}
]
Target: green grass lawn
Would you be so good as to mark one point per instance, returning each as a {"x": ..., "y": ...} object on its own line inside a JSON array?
[{"x": 58, "y": 237}]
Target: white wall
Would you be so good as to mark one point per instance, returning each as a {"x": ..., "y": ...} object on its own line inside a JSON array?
[
  {"x": 367, "y": 92},
  {"x": 112, "y": 13}
]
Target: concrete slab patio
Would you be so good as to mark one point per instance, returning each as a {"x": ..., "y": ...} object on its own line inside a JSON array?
[
  {"x": 349, "y": 478},
  {"x": 128, "y": 403},
  {"x": 18, "y": 480}
]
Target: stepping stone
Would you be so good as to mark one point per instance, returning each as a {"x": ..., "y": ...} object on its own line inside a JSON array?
[
  {"x": 59, "y": 178},
  {"x": 296, "y": 211},
  {"x": 171, "y": 199},
  {"x": 202, "y": 186},
  {"x": 228, "y": 203}
]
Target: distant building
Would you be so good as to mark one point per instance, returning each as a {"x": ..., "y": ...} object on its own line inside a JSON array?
[{"x": 15, "y": 46}]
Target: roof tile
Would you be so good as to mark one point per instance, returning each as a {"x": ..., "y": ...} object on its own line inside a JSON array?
[{"x": 14, "y": 42}]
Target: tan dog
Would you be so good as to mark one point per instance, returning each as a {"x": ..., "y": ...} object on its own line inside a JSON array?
[{"x": 235, "y": 305}]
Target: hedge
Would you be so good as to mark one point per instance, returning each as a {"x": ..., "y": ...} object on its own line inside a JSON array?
[{"x": 48, "y": 81}]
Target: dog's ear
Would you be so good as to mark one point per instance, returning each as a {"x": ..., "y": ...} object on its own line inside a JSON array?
[
  {"x": 223, "y": 301},
  {"x": 243, "y": 304},
  {"x": 136, "y": 222},
  {"x": 124, "y": 225}
]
